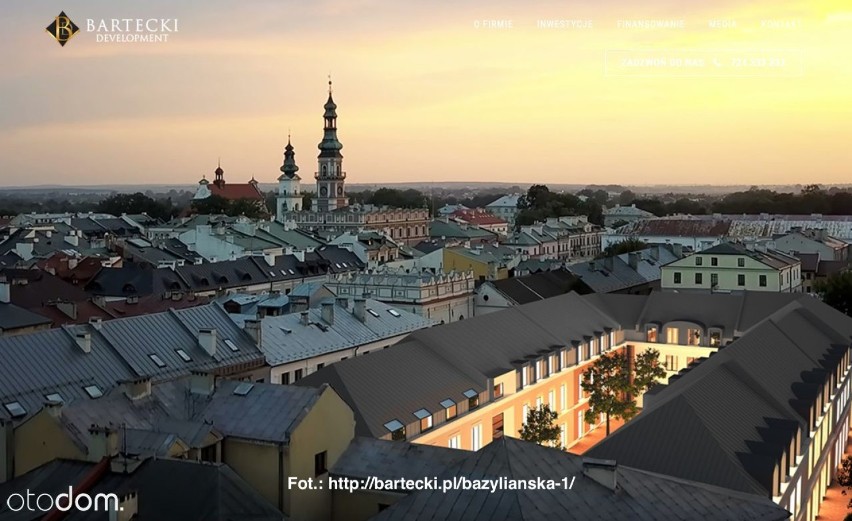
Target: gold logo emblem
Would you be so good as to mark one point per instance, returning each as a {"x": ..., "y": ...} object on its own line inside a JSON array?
[{"x": 62, "y": 29}]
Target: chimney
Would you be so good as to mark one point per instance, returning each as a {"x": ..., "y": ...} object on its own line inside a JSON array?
[
  {"x": 633, "y": 259},
  {"x": 601, "y": 471},
  {"x": 54, "y": 409},
  {"x": 201, "y": 383},
  {"x": 608, "y": 263},
  {"x": 269, "y": 258},
  {"x": 103, "y": 443},
  {"x": 253, "y": 328},
  {"x": 300, "y": 255},
  {"x": 304, "y": 319},
  {"x": 128, "y": 508},
  {"x": 84, "y": 341},
  {"x": 328, "y": 312},
  {"x": 96, "y": 322},
  {"x": 359, "y": 308},
  {"x": 137, "y": 389},
  {"x": 207, "y": 340},
  {"x": 5, "y": 291},
  {"x": 677, "y": 249},
  {"x": 343, "y": 302},
  {"x": 72, "y": 239},
  {"x": 655, "y": 252}
]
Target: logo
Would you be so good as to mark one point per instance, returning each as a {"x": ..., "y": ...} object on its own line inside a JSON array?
[{"x": 62, "y": 29}]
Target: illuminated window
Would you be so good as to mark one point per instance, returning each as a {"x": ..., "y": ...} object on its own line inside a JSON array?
[
  {"x": 671, "y": 335},
  {"x": 652, "y": 334}
]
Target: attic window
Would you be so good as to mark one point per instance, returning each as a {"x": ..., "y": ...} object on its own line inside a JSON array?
[
  {"x": 183, "y": 355},
  {"x": 243, "y": 389},
  {"x": 450, "y": 407},
  {"x": 157, "y": 360},
  {"x": 272, "y": 273},
  {"x": 373, "y": 312},
  {"x": 344, "y": 265},
  {"x": 290, "y": 270},
  {"x": 394, "y": 312},
  {"x": 425, "y": 418},
  {"x": 397, "y": 430},
  {"x": 93, "y": 391},
  {"x": 231, "y": 345},
  {"x": 284, "y": 273},
  {"x": 472, "y": 398},
  {"x": 15, "y": 409},
  {"x": 337, "y": 265},
  {"x": 54, "y": 397}
]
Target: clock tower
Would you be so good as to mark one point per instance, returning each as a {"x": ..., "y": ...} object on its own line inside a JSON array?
[{"x": 331, "y": 179}]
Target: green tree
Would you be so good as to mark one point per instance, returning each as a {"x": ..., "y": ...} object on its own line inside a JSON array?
[
  {"x": 541, "y": 426},
  {"x": 844, "y": 476},
  {"x": 626, "y": 197},
  {"x": 613, "y": 387},
  {"x": 212, "y": 205},
  {"x": 836, "y": 291},
  {"x": 136, "y": 203},
  {"x": 625, "y": 246}
]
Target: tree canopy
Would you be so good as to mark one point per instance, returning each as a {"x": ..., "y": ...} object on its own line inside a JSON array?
[
  {"x": 836, "y": 291},
  {"x": 540, "y": 426},
  {"x": 136, "y": 203},
  {"x": 539, "y": 203}
]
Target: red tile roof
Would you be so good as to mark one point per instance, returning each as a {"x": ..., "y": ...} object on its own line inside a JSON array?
[
  {"x": 236, "y": 191},
  {"x": 477, "y": 217}
]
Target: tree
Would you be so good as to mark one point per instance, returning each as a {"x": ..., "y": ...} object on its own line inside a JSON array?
[
  {"x": 836, "y": 291},
  {"x": 613, "y": 387},
  {"x": 625, "y": 246},
  {"x": 844, "y": 476},
  {"x": 119, "y": 204},
  {"x": 626, "y": 197},
  {"x": 540, "y": 427}
]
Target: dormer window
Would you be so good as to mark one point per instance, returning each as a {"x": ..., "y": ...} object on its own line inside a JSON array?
[
  {"x": 449, "y": 408},
  {"x": 651, "y": 334},
  {"x": 425, "y": 418},
  {"x": 16, "y": 410},
  {"x": 397, "y": 430},
  {"x": 472, "y": 399}
]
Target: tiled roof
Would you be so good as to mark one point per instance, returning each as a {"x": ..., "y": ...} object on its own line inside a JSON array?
[
  {"x": 478, "y": 218},
  {"x": 640, "y": 495},
  {"x": 236, "y": 191}
]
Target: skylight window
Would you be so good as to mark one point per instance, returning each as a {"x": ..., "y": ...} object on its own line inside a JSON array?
[
  {"x": 54, "y": 397},
  {"x": 291, "y": 271},
  {"x": 243, "y": 389},
  {"x": 93, "y": 391},
  {"x": 284, "y": 273},
  {"x": 373, "y": 312},
  {"x": 345, "y": 265},
  {"x": 15, "y": 409},
  {"x": 446, "y": 404},
  {"x": 183, "y": 355},
  {"x": 470, "y": 393},
  {"x": 422, "y": 413},
  {"x": 157, "y": 360},
  {"x": 231, "y": 345},
  {"x": 394, "y": 312},
  {"x": 337, "y": 265},
  {"x": 394, "y": 425}
]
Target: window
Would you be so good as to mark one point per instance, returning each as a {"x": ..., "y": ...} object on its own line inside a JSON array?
[
  {"x": 397, "y": 430},
  {"x": 651, "y": 335},
  {"x": 394, "y": 312},
  {"x": 243, "y": 388},
  {"x": 671, "y": 363},
  {"x": 671, "y": 335},
  {"x": 698, "y": 260},
  {"x": 498, "y": 391},
  {"x": 93, "y": 391},
  {"x": 581, "y": 424},
  {"x": 714, "y": 279},
  {"x": 497, "y": 426},
  {"x": 472, "y": 399},
  {"x": 297, "y": 375},
  {"x": 455, "y": 442},
  {"x": 563, "y": 397},
  {"x": 693, "y": 337},
  {"x": 714, "y": 261},
  {"x": 373, "y": 312},
  {"x": 285, "y": 378},
  {"x": 715, "y": 339},
  {"x": 525, "y": 412},
  {"x": 763, "y": 281},
  {"x": 320, "y": 463},
  {"x": 450, "y": 408},
  {"x": 563, "y": 436},
  {"x": 425, "y": 418},
  {"x": 525, "y": 376},
  {"x": 579, "y": 387},
  {"x": 183, "y": 355},
  {"x": 740, "y": 280},
  {"x": 476, "y": 437},
  {"x": 538, "y": 402},
  {"x": 320, "y": 366},
  {"x": 231, "y": 345},
  {"x": 157, "y": 360},
  {"x": 698, "y": 278},
  {"x": 15, "y": 409},
  {"x": 677, "y": 277},
  {"x": 551, "y": 400},
  {"x": 741, "y": 262},
  {"x": 54, "y": 397}
]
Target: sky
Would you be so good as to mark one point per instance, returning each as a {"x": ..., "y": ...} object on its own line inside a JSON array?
[{"x": 433, "y": 92}]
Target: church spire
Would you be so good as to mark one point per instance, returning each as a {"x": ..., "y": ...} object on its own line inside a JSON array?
[
  {"x": 289, "y": 168},
  {"x": 330, "y": 146}
]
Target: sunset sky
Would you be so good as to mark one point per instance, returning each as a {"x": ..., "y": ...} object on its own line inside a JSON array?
[{"x": 424, "y": 95}]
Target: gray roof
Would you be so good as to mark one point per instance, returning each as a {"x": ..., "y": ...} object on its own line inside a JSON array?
[
  {"x": 168, "y": 490},
  {"x": 386, "y": 459},
  {"x": 448, "y": 228},
  {"x": 711, "y": 423},
  {"x": 286, "y": 339},
  {"x": 538, "y": 286},
  {"x": 640, "y": 495},
  {"x": 772, "y": 258},
  {"x": 16, "y": 317},
  {"x": 50, "y": 361},
  {"x": 506, "y": 200},
  {"x": 428, "y": 367},
  {"x": 616, "y": 273},
  {"x": 267, "y": 413}
]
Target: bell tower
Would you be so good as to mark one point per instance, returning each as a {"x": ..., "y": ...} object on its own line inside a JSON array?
[
  {"x": 289, "y": 192},
  {"x": 331, "y": 179}
]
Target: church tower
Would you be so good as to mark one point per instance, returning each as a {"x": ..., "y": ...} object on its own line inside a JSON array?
[
  {"x": 331, "y": 190},
  {"x": 289, "y": 194}
]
